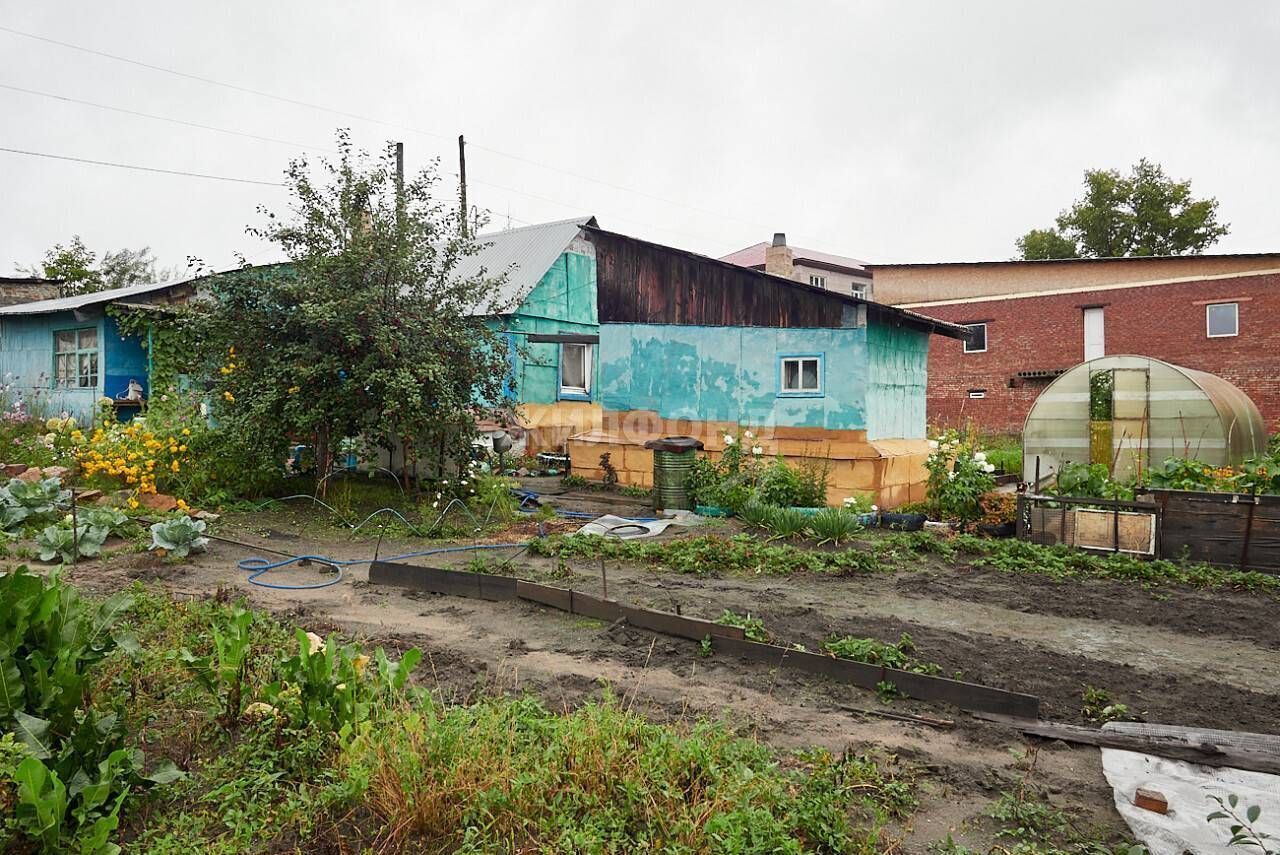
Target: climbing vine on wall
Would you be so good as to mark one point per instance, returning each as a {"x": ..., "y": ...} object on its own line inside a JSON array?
[{"x": 165, "y": 337}]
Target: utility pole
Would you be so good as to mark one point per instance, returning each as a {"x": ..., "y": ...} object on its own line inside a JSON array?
[
  {"x": 462, "y": 180},
  {"x": 399, "y": 184}
]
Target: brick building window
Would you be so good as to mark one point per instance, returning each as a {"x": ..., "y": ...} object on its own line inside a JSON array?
[
  {"x": 977, "y": 341},
  {"x": 1222, "y": 320},
  {"x": 977, "y": 393}
]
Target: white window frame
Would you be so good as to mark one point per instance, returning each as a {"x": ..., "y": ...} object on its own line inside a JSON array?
[
  {"x": 817, "y": 281},
  {"x": 1236, "y": 317},
  {"x": 800, "y": 359},
  {"x": 977, "y": 394},
  {"x": 983, "y": 349},
  {"x": 583, "y": 391}
]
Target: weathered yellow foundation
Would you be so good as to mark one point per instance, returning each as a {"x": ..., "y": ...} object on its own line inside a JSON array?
[{"x": 889, "y": 472}]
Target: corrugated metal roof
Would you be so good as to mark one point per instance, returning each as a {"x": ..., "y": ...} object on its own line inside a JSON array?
[
  {"x": 80, "y": 301},
  {"x": 524, "y": 254}
]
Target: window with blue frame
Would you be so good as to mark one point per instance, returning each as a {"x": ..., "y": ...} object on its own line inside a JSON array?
[
  {"x": 575, "y": 371},
  {"x": 75, "y": 358},
  {"x": 800, "y": 375}
]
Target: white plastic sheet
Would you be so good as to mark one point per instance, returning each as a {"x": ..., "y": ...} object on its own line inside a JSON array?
[{"x": 1188, "y": 787}]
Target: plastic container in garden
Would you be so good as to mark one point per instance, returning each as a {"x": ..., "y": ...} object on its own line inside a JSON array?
[
  {"x": 712, "y": 511},
  {"x": 808, "y": 512},
  {"x": 902, "y": 522},
  {"x": 868, "y": 520}
]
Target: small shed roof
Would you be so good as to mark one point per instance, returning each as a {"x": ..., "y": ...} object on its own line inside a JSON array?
[
  {"x": 127, "y": 294},
  {"x": 524, "y": 255}
]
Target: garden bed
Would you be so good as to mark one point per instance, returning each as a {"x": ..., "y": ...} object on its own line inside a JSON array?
[{"x": 1169, "y": 651}]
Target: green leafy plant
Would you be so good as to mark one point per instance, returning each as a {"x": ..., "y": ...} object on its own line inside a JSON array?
[
  {"x": 222, "y": 672},
  {"x": 1099, "y": 707},
  {"x": 49, "y": 638},
  {"x": 959, "y": 475},
  {"x": 752, "y": 627},
  {"x": 110, "y": 521},
  {"x": 63, "y": 543},
  {"x": 873, "y": 652},
  {"x": 1089, "y": 480},
  {"x": 781, "y": 485},
  {"x": 493, "y": 499},
  {"x": 179, "y": 536},
  {"x": 1242, "y": 826},
  {"x": 325, "y": 684},
  {"x": 834, "y": 525},
  {"x": 755, "y": 513},
  {"x": 705, "y": 648},
  {"x": 786, "y": 523}
]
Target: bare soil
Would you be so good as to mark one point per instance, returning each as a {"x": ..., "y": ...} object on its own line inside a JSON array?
[{"x": 1174, "y": 655}]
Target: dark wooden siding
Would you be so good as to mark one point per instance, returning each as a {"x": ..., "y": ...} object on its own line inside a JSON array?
[{"x": 645, "y": 283}]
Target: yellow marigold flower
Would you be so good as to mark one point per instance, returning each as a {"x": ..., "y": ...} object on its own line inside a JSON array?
[
  {"x": 229, "y": 396},
  {"x": 182, "y": 448},
  {"x": 133, "y": 503},
  {"x": 77, "y": 436},
  {"x": 174, "y": 466},
  {"x": 225, "y": 370},
  {"x": 293, "y": 390},
  {"x": 182, "y": 506},
  {"x": 186, "y": 431}
]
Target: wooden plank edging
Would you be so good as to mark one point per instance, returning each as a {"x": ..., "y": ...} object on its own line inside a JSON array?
[{"x": 732, "y": 640}]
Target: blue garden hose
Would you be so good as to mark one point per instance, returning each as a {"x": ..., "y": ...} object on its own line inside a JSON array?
[{"x": 257, "y": 566}]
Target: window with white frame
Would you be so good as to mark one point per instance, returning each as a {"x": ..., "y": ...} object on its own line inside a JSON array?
[
  {"x": 575, "y": 369},
  {"x": 75, "y": 358},
  {"x": 977, "y": 341},
  {"x": 1222, "y": 320},
  {"x": 819, "y": 281},
  {"x": 801, "y": 375}
]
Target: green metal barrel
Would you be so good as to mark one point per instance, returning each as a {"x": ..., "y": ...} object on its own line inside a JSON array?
[{"x": 673, "y": 457}]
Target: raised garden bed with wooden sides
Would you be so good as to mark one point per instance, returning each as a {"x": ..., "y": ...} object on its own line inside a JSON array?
[{"x": 1227, "y": 529}]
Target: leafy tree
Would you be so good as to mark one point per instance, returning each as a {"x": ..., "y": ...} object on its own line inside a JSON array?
[
  {"x": 1142, "y": 213},
  {"x": 1047, "y": 243},
  {"x": 368, "y": 331},
  {"x": 80, "y": 272}
]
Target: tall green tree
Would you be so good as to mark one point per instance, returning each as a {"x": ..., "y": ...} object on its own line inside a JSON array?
[
  {"x": 1143, "y": 213},
  {"x": 80, "y": 272},
  {"x": 368, "y": 331}
]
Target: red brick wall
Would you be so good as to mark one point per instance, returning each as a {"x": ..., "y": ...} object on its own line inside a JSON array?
[{"x": 1047, "y": 332}]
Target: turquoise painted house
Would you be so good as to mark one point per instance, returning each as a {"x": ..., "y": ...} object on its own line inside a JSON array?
[
  {"x": 551, "y": 326},
  {"x": 690, "y": 345},
  {"x": 69, "y": 353}
]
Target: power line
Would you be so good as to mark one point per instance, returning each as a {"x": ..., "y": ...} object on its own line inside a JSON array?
[
  {"x": 159, "y": 118},
  {"x": 210, "y": 81},
  {"x": 141, "y": 168},
  {"x": 245, "y": 89}
]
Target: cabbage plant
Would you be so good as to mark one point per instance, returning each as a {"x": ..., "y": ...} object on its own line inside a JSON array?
[
  {"x": 26, "y": 501},
  {"x": 179, "y": 536},
  {"x": 62, "y": 542}
]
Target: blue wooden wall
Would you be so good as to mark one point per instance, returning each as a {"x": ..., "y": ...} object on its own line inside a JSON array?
[{"x": 26, "y": 361}]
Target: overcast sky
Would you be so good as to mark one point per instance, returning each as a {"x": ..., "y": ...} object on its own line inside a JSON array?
[{"x": 886, "y": 131}]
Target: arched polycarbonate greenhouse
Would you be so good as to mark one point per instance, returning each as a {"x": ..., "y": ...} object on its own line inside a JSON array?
[{"x": 1130, "y": 412}]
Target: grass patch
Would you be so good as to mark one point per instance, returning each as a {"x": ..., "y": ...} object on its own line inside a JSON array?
[{"x": 280, "y": 754}]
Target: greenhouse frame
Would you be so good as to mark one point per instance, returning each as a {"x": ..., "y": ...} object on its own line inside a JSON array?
[{"x": 1129, "y": 412}]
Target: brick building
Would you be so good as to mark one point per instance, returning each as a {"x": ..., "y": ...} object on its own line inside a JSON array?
[
  {"x": 820, "y": 269},
  {"x": 1225, "y": 323}
]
